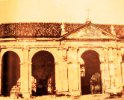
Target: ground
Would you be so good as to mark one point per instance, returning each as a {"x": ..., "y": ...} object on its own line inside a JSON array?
[{"x": 84, "y": 97}]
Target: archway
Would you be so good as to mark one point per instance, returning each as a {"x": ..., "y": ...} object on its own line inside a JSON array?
[
  {"x": 43, "y": 72},
  {"x": 10, "y": 72},
  {"x": 91, "y": 66}
]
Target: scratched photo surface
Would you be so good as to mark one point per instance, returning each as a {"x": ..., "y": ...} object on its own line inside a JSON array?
[{"x": 62, "y": 49}]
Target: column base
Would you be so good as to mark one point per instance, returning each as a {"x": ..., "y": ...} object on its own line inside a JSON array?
[
  {"x": 26, "y": 95},
  {"x": 75, "y": 93}
]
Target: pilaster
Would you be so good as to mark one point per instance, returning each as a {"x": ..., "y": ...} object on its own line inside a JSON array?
[
  {"x": 119, "y": 69},
  {"x": 122, "y": 65},
  {"x": 24, "y": 68},
  {"x": 102, "y": 67},
  {"x": 106, "y": 73},
  {"x": 62, "y": 71},
  {"x": 73, "y": 71},
  {"x": 115, "y": 67}
]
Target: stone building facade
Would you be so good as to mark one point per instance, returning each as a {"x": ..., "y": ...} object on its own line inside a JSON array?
[{"x": 59, "y": 58}]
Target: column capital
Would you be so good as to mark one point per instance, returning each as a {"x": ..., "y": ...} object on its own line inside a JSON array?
[
  {"x": 25, "y": 48},
  {"x": 73, "y": 48}
]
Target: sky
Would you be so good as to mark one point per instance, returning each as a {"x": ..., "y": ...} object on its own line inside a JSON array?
[{"x": 72, "y": 11}]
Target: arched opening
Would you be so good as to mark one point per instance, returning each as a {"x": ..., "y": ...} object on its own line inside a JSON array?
[
  {"x": 43, "y": 73},
  {"x": 91, "y": 67},
  {"x": 10, "y": 72}
]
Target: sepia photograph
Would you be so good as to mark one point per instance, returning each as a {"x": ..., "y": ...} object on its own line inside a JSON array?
[{"x": 61, "y": 49}]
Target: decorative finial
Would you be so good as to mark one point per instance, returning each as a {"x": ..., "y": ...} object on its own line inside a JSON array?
[
  {"x": 88, "y": 12},
  {"x": 113, "y": 30},
  {"x": 88, "y": 17},
  {"x": 63, "y": 29}
]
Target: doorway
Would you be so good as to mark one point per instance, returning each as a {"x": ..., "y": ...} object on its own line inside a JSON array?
[
  {"x": 43, "y": 73},
  {"x": 10, "y": 72},
  {"x": 91, "y": 67}
]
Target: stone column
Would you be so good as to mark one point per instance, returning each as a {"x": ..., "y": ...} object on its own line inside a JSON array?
[
  {"x": 58, "y": 78},
  {"x": 79, "y": 78},
  {"x": 102, "y": 64},
  {"x": 30, "y": 77},
  {"x": 119, "y": 69},
  {"x": 115, "y": 67},
  {"x": 24, "y": 68},
  {"x": 106, "y": 69},
  {"x": 81, "y": 72},
  {"x": 61, "y": 72},
  {"x": 122, "y": 66},
  {"x": 73, "y": 72},
  {"x": 102, "y": 68},
  {"x": 111, "y": 67}
]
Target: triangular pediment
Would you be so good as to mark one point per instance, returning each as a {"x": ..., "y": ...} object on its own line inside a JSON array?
[{"x": 90, "y": 32}]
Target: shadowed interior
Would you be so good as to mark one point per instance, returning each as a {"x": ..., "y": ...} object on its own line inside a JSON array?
[
  {"x": 10, "y": 72},
  {"x": 43, "y": 70},
  {"x": 91, "y": 65}
]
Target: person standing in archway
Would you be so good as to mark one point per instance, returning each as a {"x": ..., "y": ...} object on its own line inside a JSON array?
[{"x": 95, "y": 83}]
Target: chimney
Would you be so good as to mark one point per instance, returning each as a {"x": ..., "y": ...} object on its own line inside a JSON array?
[{"x": 63, "y": 32}]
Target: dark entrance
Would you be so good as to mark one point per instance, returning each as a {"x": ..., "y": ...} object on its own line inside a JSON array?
[
  {"x": 43, "y": 71},
  {"x": 10, "y": 72},
  {"x": 91, "y": 66}
]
